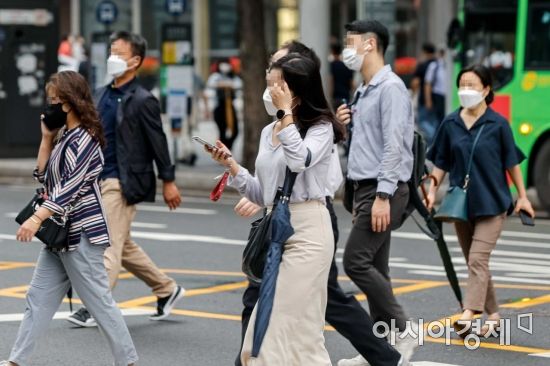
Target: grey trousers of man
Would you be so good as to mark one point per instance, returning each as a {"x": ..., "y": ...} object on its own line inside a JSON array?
[
  {"x": 367, "y": 254},
  {"x": 54, "y": 274}
]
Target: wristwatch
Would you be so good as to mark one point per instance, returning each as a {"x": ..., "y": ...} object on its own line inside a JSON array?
[
  {"x": 282, "y": 113},
  {"x": 383, "y": 195}
]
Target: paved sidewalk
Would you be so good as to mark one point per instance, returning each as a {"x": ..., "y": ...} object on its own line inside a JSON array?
[{"x": 199, "y": 177}]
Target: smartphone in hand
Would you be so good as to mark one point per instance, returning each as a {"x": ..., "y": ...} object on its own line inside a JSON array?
[
  {"x": 526, "y": 219},
  {"x": 207, "y": 145}
]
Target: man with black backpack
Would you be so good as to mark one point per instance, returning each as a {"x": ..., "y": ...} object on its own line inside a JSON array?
[{"x": 380, "y": 164}]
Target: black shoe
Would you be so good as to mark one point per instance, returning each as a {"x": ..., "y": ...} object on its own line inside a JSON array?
[
  {"x": 166, "y": 304},
  {"x": 82, "y": 318}
]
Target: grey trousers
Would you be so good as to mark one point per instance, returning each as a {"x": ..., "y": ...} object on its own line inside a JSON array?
[
  {"x": 367, "y": 254},
  {"x": 54, "y": 274}
]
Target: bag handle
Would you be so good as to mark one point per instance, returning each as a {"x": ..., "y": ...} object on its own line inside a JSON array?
[{"x": 470, "y": 161}]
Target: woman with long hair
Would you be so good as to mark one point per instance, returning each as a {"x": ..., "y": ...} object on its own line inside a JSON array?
[
  {"x": 69, "y": 162},
  {"x": 305, "y": 127},
  {"x": 488, "y": 194}
]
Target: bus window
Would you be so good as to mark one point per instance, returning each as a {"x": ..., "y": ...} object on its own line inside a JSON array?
[
  {"x": 490, "y": 37},
  {"x": 537, "y": 54}
]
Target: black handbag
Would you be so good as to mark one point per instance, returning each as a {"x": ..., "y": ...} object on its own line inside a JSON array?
[
  {"x": 54, "y": 231},
  {"x": 259, "y": 238},
  {"x": 255, "y": 252}
]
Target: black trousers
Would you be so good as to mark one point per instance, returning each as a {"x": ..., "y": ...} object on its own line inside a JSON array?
[
  {"x": 343, "y": 312},
  {"x": 220, "y": 117},
  {"x": 366, "y": 258}
]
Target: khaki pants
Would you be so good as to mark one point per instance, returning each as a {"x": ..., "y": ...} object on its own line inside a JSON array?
[
  {"x": 124, "y": 252},
  {"x": 294, "y": 336},
  {"x": 478, "y": 239}
]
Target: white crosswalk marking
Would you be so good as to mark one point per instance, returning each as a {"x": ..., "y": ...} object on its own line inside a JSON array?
[
  {"x": 4, "y": 318},
  {"x": 544, "y": 355},
  {"x": 428, "y": 363},
  {"x": 527, "y": 261},
  {"x": 179, "y": 210},
  {"x": 149, "y": 225}
]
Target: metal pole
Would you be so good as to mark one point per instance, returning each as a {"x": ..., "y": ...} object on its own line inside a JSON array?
[
  {"x": 136, "y": 16},
  {"x": 75, "y": 17},
  {"x": 315, "y": 30}
]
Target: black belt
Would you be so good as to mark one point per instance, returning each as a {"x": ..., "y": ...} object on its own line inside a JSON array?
[
  {"x": 367, "y": 182},
  {"x": 364, "y": 182}
]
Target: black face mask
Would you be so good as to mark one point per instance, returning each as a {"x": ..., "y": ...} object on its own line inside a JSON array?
[{"x": 54, "y": 116}]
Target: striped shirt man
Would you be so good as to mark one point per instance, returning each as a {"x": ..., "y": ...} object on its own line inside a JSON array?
[{"x": 71, "y": 182}]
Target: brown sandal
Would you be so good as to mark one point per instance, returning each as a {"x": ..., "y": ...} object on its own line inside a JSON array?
[{"x": 463, "y": 327}]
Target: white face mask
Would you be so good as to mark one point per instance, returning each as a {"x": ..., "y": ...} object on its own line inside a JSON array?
[
  {"x": 470, "y": 98},
  {"x": 352, "y": 59},
  {"x": 268, "y": 103},
  {"x": 225, "y": 68},
  {"x": 116, "y": 66}
]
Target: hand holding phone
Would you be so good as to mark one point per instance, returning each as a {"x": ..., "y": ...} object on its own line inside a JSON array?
[
  {"x": 526, "y": 219},
  {"x": 208, "y": 145}
]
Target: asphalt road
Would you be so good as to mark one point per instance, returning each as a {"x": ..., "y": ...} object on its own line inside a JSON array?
[{"x": 200, "y": 245}]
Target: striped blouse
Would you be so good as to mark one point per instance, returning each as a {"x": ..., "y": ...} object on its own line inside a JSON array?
[{"x": 71, "y": 181}]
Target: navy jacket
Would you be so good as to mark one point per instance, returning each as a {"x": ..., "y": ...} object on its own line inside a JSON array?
[{"x": 140, "y": 140}]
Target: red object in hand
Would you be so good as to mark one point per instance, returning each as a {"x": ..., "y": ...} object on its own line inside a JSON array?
[{"x": 217, "y": 192}]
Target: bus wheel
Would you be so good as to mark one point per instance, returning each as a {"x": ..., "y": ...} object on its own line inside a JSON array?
[{"x": 542, "y": 175}]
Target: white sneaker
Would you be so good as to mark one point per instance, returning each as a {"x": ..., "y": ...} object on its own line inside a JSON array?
[
  {"x": 408, "y": 344},
  {"x": 356, "y": 361},
  {"x": 4, "y": 363}
]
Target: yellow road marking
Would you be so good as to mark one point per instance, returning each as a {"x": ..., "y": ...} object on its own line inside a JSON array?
[
  {"x": 13, "y": 265},
  {"x": 217, "y": 289},
  {"x": 197, "y": 314},
  {"x": 418, "y": 286},
  {"x": 137, "y": 302},
  {"x": 188, "y": 293},
  {"x": 4, "y": 266},
  {"x": 522, "y": 304},
  {"x": 204, "y": 273}
]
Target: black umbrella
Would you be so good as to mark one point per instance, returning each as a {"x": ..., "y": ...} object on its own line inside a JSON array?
[
  {"x": 435, "y": 231},
  {"x": 281, "y": 231}
]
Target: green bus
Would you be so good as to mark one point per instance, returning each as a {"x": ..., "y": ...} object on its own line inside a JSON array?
[{"x": 512, "y": 38}]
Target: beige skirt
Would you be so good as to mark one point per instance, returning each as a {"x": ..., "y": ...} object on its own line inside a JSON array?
[{"x": 294, "y": 336}]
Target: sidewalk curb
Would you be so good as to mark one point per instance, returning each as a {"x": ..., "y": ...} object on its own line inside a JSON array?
[{"x": 198, "y": 178}]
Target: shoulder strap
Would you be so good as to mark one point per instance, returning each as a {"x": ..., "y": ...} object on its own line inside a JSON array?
[
  {"x": 349, "y": 127},
  {"x": 470, "y": 161},
  {"x": 290, "y": 178}
]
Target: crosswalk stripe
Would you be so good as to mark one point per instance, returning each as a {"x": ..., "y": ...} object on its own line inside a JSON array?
[
  {"x": 178, "y": 238},
  {"x": 545, "y": 355},
  {"x": 179, "y": 210},
  {"x": 4, "y": 318},
  {"x": 429, "y": 363},
  {"x": 511, "y": 253},
  {"x": 148, "y": 225},
  {"x": 522, "y": 234},
  {"x": 495, "y": 278},
  {"x": 454, "y": 239}
]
